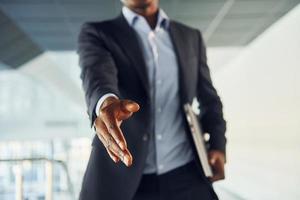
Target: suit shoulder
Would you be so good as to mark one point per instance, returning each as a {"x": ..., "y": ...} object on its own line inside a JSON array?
[
  {"x": 99, "y": 25},
  {"x": 184, "y": 27}
]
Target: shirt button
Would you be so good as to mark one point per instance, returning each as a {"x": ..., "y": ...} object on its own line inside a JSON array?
[
  {"x": 159, "y": 82},
  {"x": 160, "y": 167},
  {"x": 159, "y": 137},
  {"x": 206, "y": 137},
  {"x": 145, "y": 137},
  {"x": 159, "y": 110},
  {"x": 151, "y": 35}
]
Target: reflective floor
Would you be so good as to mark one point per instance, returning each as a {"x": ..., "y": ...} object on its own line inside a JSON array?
[{"x": 249, "y": 175}]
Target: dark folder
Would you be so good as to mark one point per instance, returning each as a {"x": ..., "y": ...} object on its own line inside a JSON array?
[{"x": 198, "y": 138}]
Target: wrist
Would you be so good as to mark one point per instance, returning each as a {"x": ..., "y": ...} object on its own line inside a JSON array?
[{"x": 108, "y": 101}]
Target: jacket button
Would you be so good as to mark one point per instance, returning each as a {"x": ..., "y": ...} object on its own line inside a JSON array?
[{"x": 145, "y": 137}]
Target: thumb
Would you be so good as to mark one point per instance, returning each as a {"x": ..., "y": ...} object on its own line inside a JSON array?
[{"x": 129, "y": 106}]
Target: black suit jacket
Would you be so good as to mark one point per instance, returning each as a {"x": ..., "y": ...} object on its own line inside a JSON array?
[{"x": 111, "y": 61}]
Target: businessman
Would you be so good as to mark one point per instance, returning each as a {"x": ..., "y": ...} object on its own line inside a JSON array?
[{"x": 137, "y": 72}]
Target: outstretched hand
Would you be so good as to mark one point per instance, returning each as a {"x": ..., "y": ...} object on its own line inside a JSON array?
[{"x": 112, "y": 113}]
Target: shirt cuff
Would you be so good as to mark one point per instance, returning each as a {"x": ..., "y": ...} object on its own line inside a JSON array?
[{"x": 101, "y": 100}]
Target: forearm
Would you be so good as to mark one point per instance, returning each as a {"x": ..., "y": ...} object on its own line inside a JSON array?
[
  {"x": 98, "y": 69},
  {"x": 103, "y": 101},
  {"x": 211, "y": 108}
]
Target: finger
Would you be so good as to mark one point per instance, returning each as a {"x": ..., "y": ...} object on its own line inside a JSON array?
[
  {"x": 113, "y": 156},
  {"x": 218, "y": 169},
  {"x": 125, "y": 156},
  {"x": 109, "y": 142},
  {"x": 122, "y": 115},
  {"x": 214, "y": 179},
  {"x": 219, "y": 166},
  {"x": 217, "y": 177},
  {"x": 129, "y": 106},
  {"x": 113, "y": 129},
  {"x": 112, "y": 146},
  {"x": 129, "y": 158}
]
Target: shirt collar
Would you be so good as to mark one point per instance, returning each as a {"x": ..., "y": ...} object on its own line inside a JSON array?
[{"x": 132, "y": 17}]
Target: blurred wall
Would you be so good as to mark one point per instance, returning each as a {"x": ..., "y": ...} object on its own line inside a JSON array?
[{"x": 261, "y": 94}]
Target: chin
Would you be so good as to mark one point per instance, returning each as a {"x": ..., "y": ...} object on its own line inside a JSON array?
[{"x": 140, "y": 3}]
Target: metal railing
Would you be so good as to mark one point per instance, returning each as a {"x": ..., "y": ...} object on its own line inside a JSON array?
[
  {"x": 228, "y": 192},
  {"x": 48, "y": 173}
]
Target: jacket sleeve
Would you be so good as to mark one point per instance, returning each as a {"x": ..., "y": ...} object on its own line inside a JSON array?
[
  {"x": 211, "y": 114},
  {"x": 98, "y": 69}
]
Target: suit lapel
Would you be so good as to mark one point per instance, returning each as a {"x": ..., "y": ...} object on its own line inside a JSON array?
[
  {"x": 128, "y": 40},
  {"x": 180, "y": 48}
]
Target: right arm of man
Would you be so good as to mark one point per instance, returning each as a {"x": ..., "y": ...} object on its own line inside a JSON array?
[
  {"x": 98, "y": 69},
  {"x": 99, "y": 77}
]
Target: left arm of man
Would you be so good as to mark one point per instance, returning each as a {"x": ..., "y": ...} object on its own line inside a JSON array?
[{"x": 211, "y": 115}]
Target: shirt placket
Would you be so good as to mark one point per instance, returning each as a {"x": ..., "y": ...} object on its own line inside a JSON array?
[{"x": 157, "y": 107}]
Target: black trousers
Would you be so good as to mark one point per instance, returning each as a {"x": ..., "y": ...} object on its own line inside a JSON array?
[{"x": 183, "y": 183}]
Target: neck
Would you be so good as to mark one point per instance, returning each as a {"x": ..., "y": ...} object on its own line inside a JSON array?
[{"x": 150, "y": 13}]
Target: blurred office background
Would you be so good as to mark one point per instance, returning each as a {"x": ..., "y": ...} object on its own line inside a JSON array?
[{"x": 254, "y": 56}]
